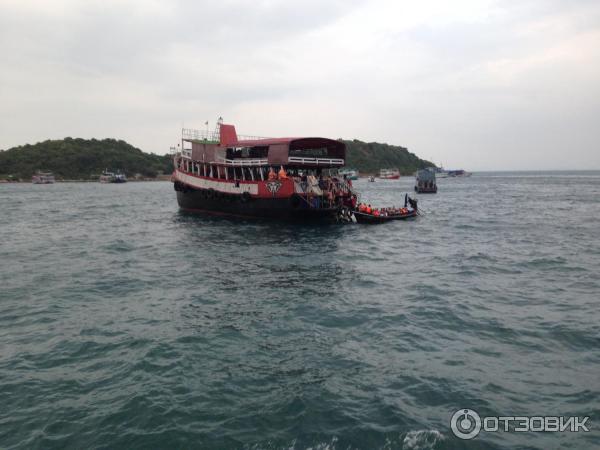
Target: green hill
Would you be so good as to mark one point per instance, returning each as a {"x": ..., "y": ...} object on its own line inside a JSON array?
[
  {"x": 81, "y": 159},
  {"x": 371, "y": 156}
]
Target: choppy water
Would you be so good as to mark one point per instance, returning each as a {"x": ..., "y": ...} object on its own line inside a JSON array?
[{"x": 126, "y": 324}]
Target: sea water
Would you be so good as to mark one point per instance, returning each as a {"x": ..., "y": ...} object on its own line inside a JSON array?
[{"x": 125, "y": 323}]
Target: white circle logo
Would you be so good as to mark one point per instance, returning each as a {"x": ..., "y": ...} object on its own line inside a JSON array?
[{"x": 465, "y": 424}]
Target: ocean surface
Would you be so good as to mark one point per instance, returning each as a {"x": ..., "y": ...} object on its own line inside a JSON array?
[{"x": 127, "y": 324}]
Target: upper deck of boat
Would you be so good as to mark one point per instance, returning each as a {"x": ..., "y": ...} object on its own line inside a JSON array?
[{"x": 225, "y": 147}]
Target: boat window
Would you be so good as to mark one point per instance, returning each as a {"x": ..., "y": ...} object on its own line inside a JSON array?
[
  {"x": 247, "y": 152},
  {"x": 309, "y": 152}
]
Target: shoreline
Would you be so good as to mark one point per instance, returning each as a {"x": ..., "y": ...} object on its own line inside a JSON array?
[{"x": 163, "y": 178}]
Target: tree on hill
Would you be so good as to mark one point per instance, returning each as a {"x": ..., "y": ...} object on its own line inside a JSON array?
[
  {"x": 372, "y": 156},
  {"x": 71, "y": 158}
]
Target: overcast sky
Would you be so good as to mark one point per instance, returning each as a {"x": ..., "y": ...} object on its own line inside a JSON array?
[{"x": 472, "y": 84}]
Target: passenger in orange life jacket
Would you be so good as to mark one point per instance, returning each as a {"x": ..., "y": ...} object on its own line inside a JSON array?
[
  {"x": 369, "y": 210},
  {"x": 272, "y": 174},
  {"x": 282, "y": 174}
]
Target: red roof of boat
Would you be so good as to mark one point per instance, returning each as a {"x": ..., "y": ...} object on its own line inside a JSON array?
[
  {"x": 229, "y": 137},
  {"x": 266, "y": 141}
]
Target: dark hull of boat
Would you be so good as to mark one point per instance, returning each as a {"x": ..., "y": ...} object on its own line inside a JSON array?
[
  {"x": 205, "y": 201},
  {"x": 370, "y": 218},
  {"x": 425, "y": 190}
]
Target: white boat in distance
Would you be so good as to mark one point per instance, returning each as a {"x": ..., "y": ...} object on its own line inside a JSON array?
[
  {"x": 42, "y": 178},
  {"x": 389, "y": 174}
]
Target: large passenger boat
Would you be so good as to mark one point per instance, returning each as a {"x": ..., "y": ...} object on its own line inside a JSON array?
[{"x": 285, "y": 178}]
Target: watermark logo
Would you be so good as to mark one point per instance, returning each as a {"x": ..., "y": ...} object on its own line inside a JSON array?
[{"x": 467, "y": 424}]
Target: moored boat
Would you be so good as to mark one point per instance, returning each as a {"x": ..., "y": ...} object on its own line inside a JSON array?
[
  {"x": 389, "y": 174},
  {"x": 110, "y": 177},
  {"x": 440, "y": 172},
  {"x": 42, "y": 178},
  {"x": 458, "y": 173},
  {"x": 425, "y": 181},
  {"x": 349, "y": 174},
  {"x": 119, "y": 178}
]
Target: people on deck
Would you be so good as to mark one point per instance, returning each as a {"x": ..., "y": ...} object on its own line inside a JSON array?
[
  {"x": 272, "y": 174},
  {"x": 282, "y": 174},
  {"x": 330, "y": 198}
]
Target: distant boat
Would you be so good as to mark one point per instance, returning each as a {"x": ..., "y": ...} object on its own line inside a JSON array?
[
  {"x": 372, "y": 179},
  {"x": 110, "y": 177},
  {"x": 443, "y": 173},
  {"x": 458, "y": 173},
  {"x": 425, "y": 182},
  {"x": 350, "y": 174},
  {"x": 42, "y": 178},
  {"x": 389, "y": 174},
  {"x": 440, "y": 172}
]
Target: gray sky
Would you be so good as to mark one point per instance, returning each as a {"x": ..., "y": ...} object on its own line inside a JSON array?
[{"x": 475, "y": 84}]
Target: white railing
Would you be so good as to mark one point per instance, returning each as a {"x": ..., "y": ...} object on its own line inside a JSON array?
[
  {"x": 200, "y": 135},
  {"x": 244, "y": 162},
  {"x": 243, "y": 137},
  {"x": 212, "y": 136},
  {"x": 317, "y": 161}
]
